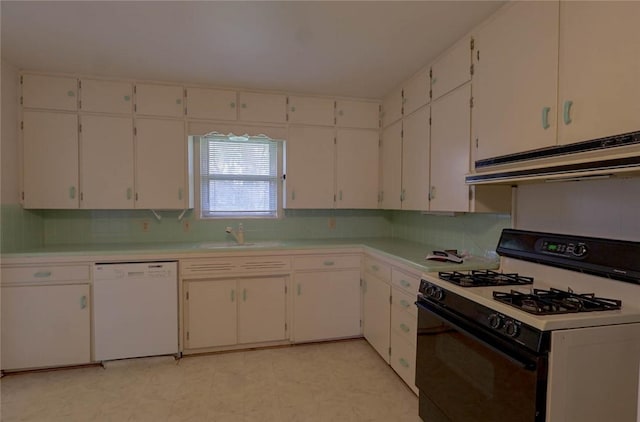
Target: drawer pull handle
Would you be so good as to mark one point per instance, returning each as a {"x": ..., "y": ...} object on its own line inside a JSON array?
[
  {"x": 567, "y": 111},
  {"x": 403, "y": 362},
  {"x": 405, "y": 283},
  {"x": 72, "y": 192},
  {"x": 129, "y": 193},
  {"x": 42, "y": 274},
  {"x": 328, "y": 263},
  {"x": 233, "y": 295},
  {"x": 404, "y": 327},
  {"x": 83, "y": 302},
  {"x": 545, "y": 117},
  {"x": 404, "y": 303},
  {"x": 299, "y": 289},
  {"x": 375, "y": 267}
]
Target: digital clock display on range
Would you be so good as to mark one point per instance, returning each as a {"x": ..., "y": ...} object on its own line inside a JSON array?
[{"x": 554, "y": 247}]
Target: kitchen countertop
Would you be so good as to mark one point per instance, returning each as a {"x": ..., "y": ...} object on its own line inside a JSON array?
[{"x": 408, "y": 252}]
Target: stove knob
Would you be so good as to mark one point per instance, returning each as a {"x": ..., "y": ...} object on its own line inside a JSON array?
[
  {"x": 495, "y": 321},
  {"x": 580, "y": 250},
  {"x": 430, "y": 289},
  {"x": 438, "y": 294},
  {"x": 511, "y": 328}
]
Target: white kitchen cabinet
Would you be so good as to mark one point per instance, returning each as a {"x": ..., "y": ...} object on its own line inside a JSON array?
[
  {"x": 160, "y": 165},
  {"x": 45, "y": 325},
  {"x": 392, "y": 108},
  {"x": 357, "y": 114},
  {"x": 357, "y": 168},
  {"x": 599, "y": 68},
  {"x": 50, "y": 92},
  {"x": 106, "y": 162},
  {"x": 103, "y": 96},
  {"x": 50, "y": 154},
  {"x": 311, "y": 110},
  {"x": 452, "y": 69},
  {"x": 214, "y": 104},
  {"x": 416, "y": 92},
  {"x": 159, "y": 100},
  {"x": 261, "y": 107},
  {"x": 415, "y": 160},
  {"x": 310, "y": 167},
  {"x": 403, "y": 359},
  {"x": 515, "y": 78},
  {"x": 376, "y": 303},
  {"x": 261, "y": 309},
  {"x": 450, "y": 159},
  {"x": 211, "y": 316},
  {"x": 391, "y": 167},
  {"x": 326, "y": 297}
]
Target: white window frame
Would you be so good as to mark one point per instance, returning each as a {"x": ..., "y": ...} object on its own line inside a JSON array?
[{"x": 198, "y": 180}]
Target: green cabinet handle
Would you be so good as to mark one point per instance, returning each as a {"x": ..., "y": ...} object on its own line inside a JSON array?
[
  {"x": 244, "y": 105},
  {"x": 232, "y": 104},
  {"x": 340, "y": 195},
  {"x": 299, "y": 289},
  {"x": 178, "y": 101},
  {"x": 403, "y": 362},
  {"x": 405, "y": 283},
  {"x": 233, "y": 295},
  {"x": 567, "y": 111},
  {"x": 72, "y": 192},
  {"x": 180, "y": 193},
  {"x": 129, "y": 193},
  {"x": 545, "y": 117},
  {"x": 42, "y": 274},
  {"x": 404, "y": 327},
  {"x": 293, "y": 195},
  {"x": 244, "y": 295},
  {"x": 375, "y": 268},
  {"x": 404, "y": 303},
  {"x": 83, "y": 302},
  {"x": 328, "y": 263},
  {"x": 293, "y": 108},
  {"x": 127, "y": 97},
  {"x": 71, "y": 94}
]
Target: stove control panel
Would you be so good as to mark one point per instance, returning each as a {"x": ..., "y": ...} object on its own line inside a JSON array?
[
  {"x": 567, "y": 249},
  {"x": 502, "y": 323}
]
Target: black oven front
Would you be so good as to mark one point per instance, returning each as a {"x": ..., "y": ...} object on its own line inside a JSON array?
[{"x": 466, "y": 373}]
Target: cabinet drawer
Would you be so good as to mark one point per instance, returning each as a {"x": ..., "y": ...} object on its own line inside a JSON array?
[
  {"x": 405, "y": 281},
  {"x": 45, "y": 274},
  {"x": 405, "y": 301},
  {"x": 403, "y": 359},
  {"x": 404, "y": 324},
  {"x": 329, "y": 262},
  {"x": 378, "y": 268}
]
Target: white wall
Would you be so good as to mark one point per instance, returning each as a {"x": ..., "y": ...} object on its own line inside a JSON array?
[
  {"x": 9, "y": 135},
  {"x": 601, "y": 208}
]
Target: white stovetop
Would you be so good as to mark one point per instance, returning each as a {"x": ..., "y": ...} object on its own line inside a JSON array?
[{"x": 547, "y": 277}]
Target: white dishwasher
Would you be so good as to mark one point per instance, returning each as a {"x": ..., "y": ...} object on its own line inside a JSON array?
[{"x": 135, "y": 310}]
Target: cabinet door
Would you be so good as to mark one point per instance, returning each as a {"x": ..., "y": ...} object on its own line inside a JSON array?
[
  {"x": 261, "y": 310},
  {"x": 310, "y": 168},
  {"x": 358, "y": 114},
  {"x": 50, "y": 142},
  {"x": 415, "y": 160},
  {"x": 45, "y": 326},
  {"x": 311, "y": 110},
  {"x": 416, "y": 92},
  {"x": 258, "y": 107},
  {"x": 450, "y": 144},
  {"x": 52, "y": 92},
  {"x": 106, "y": 96},
  {"x": 357, "y": 168},
  {"x": 392, "y": 108},
  {"x": 515, "y": 80},
  {"x": 160, "y": 163},
  {"x": 377, "y": 314},
  {"x": 452, "y": 69},
  {"x": 391, "y": 163},
  {"x": 106, "y": 162},
  {"x": 326, "y": 305},
  {"x": 159, "y": 100},
  {"x": 217, "y": 104},
  {"x": 599, "y": 68},
  {"x": 211, "y": 315}
]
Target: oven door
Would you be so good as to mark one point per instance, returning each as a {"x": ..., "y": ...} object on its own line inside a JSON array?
[{"x": 465, "y": 373}]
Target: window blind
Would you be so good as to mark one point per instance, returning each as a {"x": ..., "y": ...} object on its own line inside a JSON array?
[{"x": 238, "y": 176}]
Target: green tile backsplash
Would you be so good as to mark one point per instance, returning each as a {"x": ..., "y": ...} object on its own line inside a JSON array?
[{"x": 26, "y": 229}]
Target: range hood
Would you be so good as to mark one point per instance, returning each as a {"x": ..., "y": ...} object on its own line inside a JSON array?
[{"x": 605, "y": 157}]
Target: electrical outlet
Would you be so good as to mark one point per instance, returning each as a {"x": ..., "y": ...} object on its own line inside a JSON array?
[
  {"x": 145, "y": 226},
  {"x": 186, "y": 226},
  {"x": 332, "y": 223}
]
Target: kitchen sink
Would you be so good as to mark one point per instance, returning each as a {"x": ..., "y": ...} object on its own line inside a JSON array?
[{"x": 225, "y": 245}]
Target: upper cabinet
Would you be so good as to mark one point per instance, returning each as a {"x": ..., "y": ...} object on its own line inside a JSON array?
[
  {"x": 599, "y": 69},
  {"x": 50, "y": 92},
  {"x": 106, "y": 96},
  {"x": 260, "y": 107},
  {"x": 391, "y": 167},
  {"x": 452, "y": 69},
  {"x": 416, "y": 92},
  {"x": 357, "y": 168},
  {"x": 515, "y": 79},
  {"x": 357, "y": 114},
  {"x": 415, "y": 160},
  {"x": 159, "y": 100},
  {"x": 311, "y": 110},
  {"x": 215, "y": 104},
  {"x": 392, "y": 108}
]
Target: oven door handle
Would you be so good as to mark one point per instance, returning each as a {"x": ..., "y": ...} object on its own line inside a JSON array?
[{"x": 454, "y": 321}]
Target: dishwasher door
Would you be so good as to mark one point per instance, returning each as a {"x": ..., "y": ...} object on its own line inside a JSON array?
[{"x": 135, "y": 310}]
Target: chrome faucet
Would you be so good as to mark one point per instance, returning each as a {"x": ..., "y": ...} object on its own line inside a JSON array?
[{"x": 239, "y": 235}]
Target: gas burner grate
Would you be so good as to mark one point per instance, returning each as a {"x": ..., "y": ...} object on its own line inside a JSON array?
[
  {"x": 555, "y": 301},
  {"x": 477, "y": 278}
]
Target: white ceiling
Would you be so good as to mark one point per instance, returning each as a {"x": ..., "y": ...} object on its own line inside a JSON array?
[{"x": 358, "y": 49}]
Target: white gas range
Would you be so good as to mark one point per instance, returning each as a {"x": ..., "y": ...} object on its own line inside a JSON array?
[{"x": 537, "y": 340}]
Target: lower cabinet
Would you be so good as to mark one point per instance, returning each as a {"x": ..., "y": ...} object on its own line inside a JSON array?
[
  {"x": 326, "y": 297},
  {"x": 376, "y": 293},
  {"x": 235, "y": 311},
  {"x": 404, "y": 320},
  {"x": 46, "y": 325}
]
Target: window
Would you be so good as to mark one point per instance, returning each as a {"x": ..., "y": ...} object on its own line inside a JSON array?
[{"x": 239, "y": 176}]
